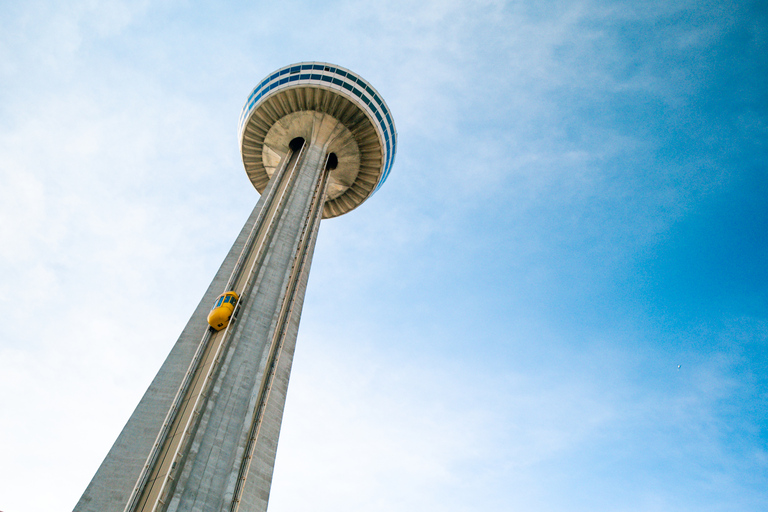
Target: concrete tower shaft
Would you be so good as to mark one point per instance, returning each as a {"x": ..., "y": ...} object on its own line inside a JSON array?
[{"x": 204, "y": 436}]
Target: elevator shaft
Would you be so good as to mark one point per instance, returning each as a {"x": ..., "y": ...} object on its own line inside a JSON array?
[
  {"x": 251, "y": 366},
  {"x": 229, "y": 403}
]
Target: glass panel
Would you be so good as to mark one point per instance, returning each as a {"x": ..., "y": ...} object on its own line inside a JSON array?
[
  {"x": 314, "y": 77},
  {"x": 326, "y": 78},
  {"x": 346, "y": 86},
  {"x": 337, "y": 81}
]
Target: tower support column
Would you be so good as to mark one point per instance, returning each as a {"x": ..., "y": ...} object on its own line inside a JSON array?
[
  {"x": 219, "y": 447},
  {"x": 230, "y": 460}
]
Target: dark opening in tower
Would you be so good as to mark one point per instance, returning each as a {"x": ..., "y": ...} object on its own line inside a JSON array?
[
  {"x": 296, "y": 143},
  {"x": 332, "y": 162}
]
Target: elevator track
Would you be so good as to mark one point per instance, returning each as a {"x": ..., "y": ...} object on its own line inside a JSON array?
[
  {"x": 298, "y": 268},
  {"x": 161, "y": 468}
]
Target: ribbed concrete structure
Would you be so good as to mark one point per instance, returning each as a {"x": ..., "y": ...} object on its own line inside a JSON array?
[
  {"x": 316, "y": 141},
  {"x": 314, "y": 99}
]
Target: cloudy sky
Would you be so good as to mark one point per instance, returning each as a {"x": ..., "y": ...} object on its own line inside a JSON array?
[{"x": 557, "y": 302}]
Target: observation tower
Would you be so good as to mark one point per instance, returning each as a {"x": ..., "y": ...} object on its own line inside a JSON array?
[{"x": 316, "y": 140}]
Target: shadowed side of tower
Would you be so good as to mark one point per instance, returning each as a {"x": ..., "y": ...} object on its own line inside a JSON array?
[{"x": 316, "y": 140}]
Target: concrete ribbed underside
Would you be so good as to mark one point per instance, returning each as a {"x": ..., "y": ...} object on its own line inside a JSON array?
[{"x": 326, "y": 101}]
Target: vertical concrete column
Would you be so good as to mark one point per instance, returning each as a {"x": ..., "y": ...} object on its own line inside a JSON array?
[
  {"x": 213, "y": 465},
  {"x": 111, "y": 486}
]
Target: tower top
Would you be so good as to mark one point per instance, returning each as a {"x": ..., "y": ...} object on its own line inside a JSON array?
[{"x": 331, "y": 107}]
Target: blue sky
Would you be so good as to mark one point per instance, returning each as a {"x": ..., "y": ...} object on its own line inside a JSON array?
[{"x": 557, "y": 302}]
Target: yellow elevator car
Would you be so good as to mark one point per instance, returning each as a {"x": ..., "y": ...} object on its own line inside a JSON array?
[{"x": 222, "y": 310}]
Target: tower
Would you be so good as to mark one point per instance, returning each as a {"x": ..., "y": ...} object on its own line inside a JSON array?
[{"x": 316, "y": 140}]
